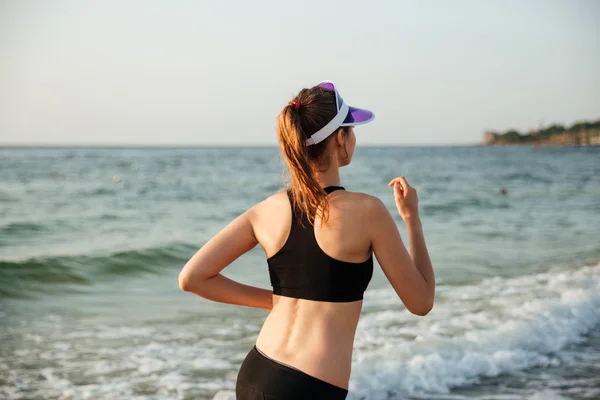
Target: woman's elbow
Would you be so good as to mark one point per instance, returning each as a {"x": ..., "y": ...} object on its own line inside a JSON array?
[
  {"x": 191, "y": 282},
  {"x": 422, "y": 309},
  {"x": 421, "y": 312},
  {"x": 185, "y": 281}
]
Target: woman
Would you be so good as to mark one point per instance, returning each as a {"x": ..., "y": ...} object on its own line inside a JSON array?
[{"x": 320, "y": 263}]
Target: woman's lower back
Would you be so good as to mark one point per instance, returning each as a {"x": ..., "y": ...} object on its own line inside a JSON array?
[{"x": 311, "y": 336}]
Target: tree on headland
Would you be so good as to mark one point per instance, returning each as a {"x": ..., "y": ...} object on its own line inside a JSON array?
[
  {"x": 515, "y": 136},
  {"x": 581, "y": 132},
  {"x": 551, "y": 130}
]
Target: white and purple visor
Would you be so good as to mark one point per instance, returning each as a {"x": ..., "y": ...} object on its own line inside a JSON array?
[{"x": 346, "y": 116}]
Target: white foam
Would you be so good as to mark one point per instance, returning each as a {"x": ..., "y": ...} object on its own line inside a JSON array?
[
  {"x": 211, "y": 363},
  {"x": 150, "y": 365},
  {"x": 33, "y": 338},
  {"x": 224, "y": 395},
  {"x": 56, "y": 382},
  {"x": 547, "y": 395},
  {"x": 124, "y": 332},
  {"x": 497, "y": 326}
]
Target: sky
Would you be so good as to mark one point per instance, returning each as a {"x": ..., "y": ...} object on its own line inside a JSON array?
[{"x": 80, "y": 72}]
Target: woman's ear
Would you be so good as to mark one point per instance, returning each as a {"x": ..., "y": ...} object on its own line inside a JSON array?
[{"x": 340, "y": 137}]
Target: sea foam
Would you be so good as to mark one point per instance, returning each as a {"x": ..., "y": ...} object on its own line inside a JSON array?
[{"x": 498, "y": 326}]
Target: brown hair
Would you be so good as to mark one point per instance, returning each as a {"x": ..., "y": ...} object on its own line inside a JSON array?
[{"x": 309, "y": 111}]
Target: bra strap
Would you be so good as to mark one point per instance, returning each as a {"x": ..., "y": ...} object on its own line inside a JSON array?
[{"x": 331, "y": 189}]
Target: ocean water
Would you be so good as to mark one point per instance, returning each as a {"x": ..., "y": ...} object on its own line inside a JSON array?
[{"x": 92, "y": 241}]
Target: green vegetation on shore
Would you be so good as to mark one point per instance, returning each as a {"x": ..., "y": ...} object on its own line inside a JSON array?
[{"x": 580, "y": 133}]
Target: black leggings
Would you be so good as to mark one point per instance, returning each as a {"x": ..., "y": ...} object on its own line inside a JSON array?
[{"x": 262, "y": 378}]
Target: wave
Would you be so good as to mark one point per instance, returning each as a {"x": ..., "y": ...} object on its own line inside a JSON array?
[
  {"x": 21, "y": 228},
  {"x": 20, "y": 279},
  {"x": 450, "y": 207},
  {"x": 498, "y": 326},
  {"x": 526, "y": 177}
]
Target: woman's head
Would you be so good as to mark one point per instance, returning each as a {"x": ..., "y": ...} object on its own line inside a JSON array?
[{"x": 315, "y": 133}]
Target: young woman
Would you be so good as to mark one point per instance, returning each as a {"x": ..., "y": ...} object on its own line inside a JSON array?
[{"x": 318, "y": 239}]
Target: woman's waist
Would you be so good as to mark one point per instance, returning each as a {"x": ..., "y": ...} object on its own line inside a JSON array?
[
  {"x": 302, "y": 318},
  {"x": 314, "y": 338},
  {"x": 320, "y": 337}
]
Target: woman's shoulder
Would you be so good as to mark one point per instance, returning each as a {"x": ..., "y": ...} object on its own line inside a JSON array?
[
  {"x": 361, "y": 199},
  {"x": 360, "y": 205},
  {"x": 277, "y": 200}
]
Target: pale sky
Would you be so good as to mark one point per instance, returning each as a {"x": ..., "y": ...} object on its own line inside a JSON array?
[{"x": 218, "y": 72}]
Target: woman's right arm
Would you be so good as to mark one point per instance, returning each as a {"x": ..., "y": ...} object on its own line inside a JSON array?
[
  {"x": 202, "y": 276},
  {"x": 411, "y": 277}
]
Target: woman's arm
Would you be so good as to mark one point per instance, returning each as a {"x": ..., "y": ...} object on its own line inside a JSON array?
[
  {"x": 411, "y": 277},
  {"x": 201, "y": 274}
]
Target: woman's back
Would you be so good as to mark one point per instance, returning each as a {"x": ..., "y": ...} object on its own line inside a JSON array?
[{"x": 317, "y": 336}]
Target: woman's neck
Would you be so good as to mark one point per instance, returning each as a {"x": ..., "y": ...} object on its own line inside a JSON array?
[{"x": 331, "y": 177}]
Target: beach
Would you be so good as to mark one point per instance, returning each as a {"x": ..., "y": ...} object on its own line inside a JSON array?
[{"x": 92, "y": 240}]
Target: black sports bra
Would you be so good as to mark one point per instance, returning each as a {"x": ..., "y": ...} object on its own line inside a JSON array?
[{"x": 300, "y": 269}]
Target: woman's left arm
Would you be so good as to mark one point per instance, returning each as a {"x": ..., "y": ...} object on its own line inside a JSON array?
[{"x": 201, "y": 275}]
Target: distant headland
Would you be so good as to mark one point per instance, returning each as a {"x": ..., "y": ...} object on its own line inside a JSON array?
[{"x": 579, "y": 134}]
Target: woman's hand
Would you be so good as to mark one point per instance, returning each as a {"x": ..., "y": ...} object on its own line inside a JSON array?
[{"x": 406, "y": 198}]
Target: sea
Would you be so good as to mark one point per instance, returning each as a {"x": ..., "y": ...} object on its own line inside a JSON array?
[{"x": 92, "y": 240}]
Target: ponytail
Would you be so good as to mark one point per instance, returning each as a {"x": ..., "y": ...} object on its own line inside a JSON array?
[
  {"x": 308, "y": 197},
  {"x": 310, "y": 110}
]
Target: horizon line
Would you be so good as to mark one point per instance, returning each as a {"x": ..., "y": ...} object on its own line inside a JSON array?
[{"x": 215, "y": 145}]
